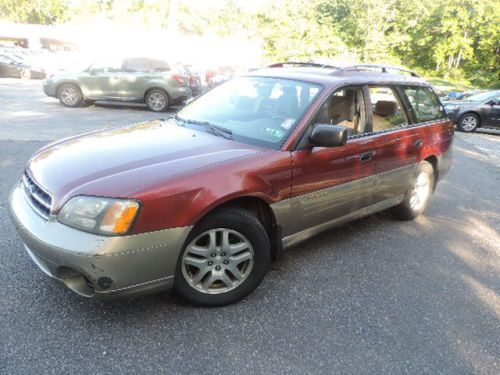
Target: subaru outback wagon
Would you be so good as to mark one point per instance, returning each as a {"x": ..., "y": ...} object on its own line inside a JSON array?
[
  {"x": 203, "y": 201},
  {"x": 134, "y": 80}
]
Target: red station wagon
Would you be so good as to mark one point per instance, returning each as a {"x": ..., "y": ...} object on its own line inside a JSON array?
[{"x": 203, "y": 201}]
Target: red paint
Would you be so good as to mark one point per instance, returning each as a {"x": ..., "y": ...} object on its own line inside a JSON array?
[{"x": 180, "y": 174}]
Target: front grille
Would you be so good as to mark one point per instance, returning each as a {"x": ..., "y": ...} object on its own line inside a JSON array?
[{"x": 40, "y": 200}]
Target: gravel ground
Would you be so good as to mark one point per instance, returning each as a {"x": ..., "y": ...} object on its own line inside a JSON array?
[{"x": 376, "y": 296}]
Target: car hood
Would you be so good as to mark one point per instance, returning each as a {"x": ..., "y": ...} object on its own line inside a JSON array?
[{"x": 121, "y": 161}]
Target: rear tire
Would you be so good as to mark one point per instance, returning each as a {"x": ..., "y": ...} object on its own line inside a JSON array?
[
  {"x": 418, "y": 195},
  {"x": 157, "y": 100},
  {"x": 70, "y": 95},
  {"x": 468, "y": 122},
  {"x": 225, "y": 258}
]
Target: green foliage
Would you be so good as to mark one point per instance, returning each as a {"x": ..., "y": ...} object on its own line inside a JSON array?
[
  {"x": 454, "y": 39},
  {"x": 34, "y": 11}
]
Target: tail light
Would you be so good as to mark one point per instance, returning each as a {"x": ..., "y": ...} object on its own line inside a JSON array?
[
  {"x": 179, "y": 79},
  {"x": 193, "y": 80}
]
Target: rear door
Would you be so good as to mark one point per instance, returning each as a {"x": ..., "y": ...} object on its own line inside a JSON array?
[
  {"x": 397, "y": 144},
  {"x": 406, "y": 121}
]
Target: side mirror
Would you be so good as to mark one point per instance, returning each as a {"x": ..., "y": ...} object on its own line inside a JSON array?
[
  {"x": 324, "y": 135},
  {"x": 492, "y": 102}
]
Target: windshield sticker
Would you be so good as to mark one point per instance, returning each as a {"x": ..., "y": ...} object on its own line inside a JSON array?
[
  {"x": 287, "y": 124},
  {"x": 273, "y": 132}
]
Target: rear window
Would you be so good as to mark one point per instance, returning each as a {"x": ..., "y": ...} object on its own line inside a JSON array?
[{"x": 426, "y": 105}]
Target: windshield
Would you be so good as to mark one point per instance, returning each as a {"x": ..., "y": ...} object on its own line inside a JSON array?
[
  {"x": 256, "y": 110},
  {"x": 482, "y": 97}
]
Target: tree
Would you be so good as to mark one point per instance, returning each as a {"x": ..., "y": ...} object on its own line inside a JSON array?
[{"x": 44, "y": 12}]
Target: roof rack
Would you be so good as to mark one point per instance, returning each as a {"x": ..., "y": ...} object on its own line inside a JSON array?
[
  {"x": 301, "y": 64},
  {"x": 383, "y": 68},
  {"x": 357, "y": 67}
]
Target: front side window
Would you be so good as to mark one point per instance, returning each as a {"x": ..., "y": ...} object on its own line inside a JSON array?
[
  {"x": 256, "y": 110},
  {"x": 387, "y": 110},
  {"x": 425, "y": 104},
  {"x": 345, "y": 108},
  {"x": 111, "y": 65}
]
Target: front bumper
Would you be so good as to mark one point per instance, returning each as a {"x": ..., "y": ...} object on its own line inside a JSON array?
[
  {"x": 452, "y": 115},
  {"x": 94, "y": 265},
  {"x": 49, "y": 89}
]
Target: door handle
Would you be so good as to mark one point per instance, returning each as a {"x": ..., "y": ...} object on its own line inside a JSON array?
[
  {"x": 366, "y": 156},
  {"x": 419, "y": 144}
]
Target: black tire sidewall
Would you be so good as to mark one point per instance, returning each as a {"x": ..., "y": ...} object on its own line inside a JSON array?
[
  {"x": 167, "y": 100},
  {"x": 244, "y": 223},
  {"x": 463, "y": 117},
  {"x": 80, "y": 95}
]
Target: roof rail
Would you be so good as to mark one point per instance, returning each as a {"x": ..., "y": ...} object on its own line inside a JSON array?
[
  {"x": 383, "y": 68},
  {"x": 301, "y": 64}
]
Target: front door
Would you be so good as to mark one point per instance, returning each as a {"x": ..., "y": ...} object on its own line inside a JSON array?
[
  {"x": 332, "y": 183},
  {"x": 102, "y": 81}
]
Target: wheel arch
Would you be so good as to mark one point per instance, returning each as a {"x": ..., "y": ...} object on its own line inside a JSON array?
[
  {"x": 471, "y": 111},
  {"x": 258, "y": 207},
  {"x": 433, "y": 160},
  {"x": 70, "y": 82},
  {"x": 149, "y": 89}
]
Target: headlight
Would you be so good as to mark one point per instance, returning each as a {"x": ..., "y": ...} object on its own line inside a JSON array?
[{"x": 99, "y": 215}]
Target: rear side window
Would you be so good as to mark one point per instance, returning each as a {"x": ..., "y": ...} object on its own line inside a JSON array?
[
  {"x": 425, "y": 104},
  {"x": 145, "y": 65},
  {"x": 387, "y": 111}
]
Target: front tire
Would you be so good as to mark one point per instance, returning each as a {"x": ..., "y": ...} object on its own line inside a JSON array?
[
  {"x": 157, "y": 100},
  {"x": 70, "y": 95},
  {"x": 224, "y": 259},
  {"x": 468, "y": 122},
  {"x": 418, "y": 195}
]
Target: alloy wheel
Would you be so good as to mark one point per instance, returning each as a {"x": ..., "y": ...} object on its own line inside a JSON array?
[
  {"x": 420, "y": 192},
  {"x": 469, "y": 123},
  {"x": 69, "y": 96},
  {"x": 156, "y": 101},
  {"x": 25, "y": 74},
  {"x": 217, "y": 261}
]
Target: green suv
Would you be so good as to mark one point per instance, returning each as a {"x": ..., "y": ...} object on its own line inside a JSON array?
[{"x": 139, "y": 80}]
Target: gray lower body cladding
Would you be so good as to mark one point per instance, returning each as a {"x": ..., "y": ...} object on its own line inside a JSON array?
[
  {"x": 306, "y": 215},
  {"x": 93, "y": 265}
]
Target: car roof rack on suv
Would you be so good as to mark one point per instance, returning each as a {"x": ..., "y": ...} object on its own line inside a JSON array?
[
  {"x": 383, "y": 68},
  {"x": 302, "y": 64}
]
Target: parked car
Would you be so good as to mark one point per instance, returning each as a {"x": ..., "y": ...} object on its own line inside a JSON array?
[
  {"x": 216, "y": 76},
  {"x": 203, "y": 201},
  {"x": 477, "y": 111},
  {"x": 140, "y": 80},
  {"x": 193, "y": 79},
  {"x": 15, "y": 67},
  {"x": 465, "y": 94}
]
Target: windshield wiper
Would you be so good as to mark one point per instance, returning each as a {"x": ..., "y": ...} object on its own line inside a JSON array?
[{"x": 209, "y": 127}]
